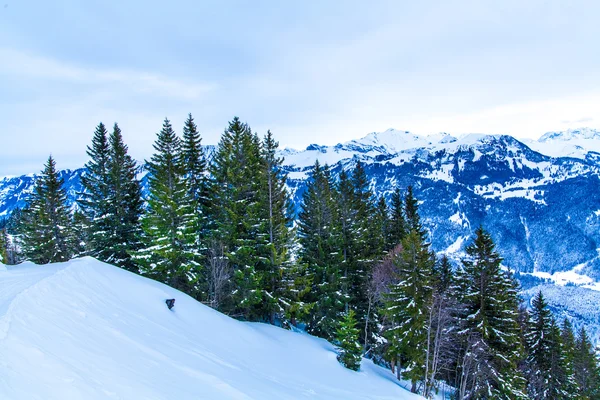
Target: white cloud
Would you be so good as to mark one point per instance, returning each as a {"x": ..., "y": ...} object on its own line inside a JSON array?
[{"x": 29, "y": 66}]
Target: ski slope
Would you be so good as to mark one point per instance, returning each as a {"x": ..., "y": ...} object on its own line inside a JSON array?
[{"x": 88, "y": 330}]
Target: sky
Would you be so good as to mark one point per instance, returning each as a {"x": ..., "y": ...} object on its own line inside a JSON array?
[{"x": 311, "y": 71}]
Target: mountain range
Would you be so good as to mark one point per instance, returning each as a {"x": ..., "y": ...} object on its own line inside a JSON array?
[{"x": 540, "y": 199}]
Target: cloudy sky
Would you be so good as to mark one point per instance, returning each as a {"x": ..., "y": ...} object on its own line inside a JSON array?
[{"x": 311, "y": 71}]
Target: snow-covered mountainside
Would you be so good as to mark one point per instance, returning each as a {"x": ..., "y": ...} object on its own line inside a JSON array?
[
  {"x": 88, "y": 330},
  {"x": 540, "y": 199}
]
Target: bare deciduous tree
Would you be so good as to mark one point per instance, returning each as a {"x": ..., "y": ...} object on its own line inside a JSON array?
[{"x": 219, "y": 273}]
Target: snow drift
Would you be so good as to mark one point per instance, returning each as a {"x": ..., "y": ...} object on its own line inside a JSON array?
[{"x": 88, "y": 330}]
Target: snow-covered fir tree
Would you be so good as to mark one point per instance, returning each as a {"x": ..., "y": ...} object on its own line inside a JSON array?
[
  {"x": 111, "y": 200},
  {"x": 45, "y": 230},
  {"x": 193, "y": 160},
  {"x": 397, "y": 224},
  {"x": 236, "y": 212},
  {"x": 585, "y": 367},
  {"x": 547, "y": 371},
  {"x": 407, "y": 307},
  {"x": 490, "y": 333},
  {"x": 319, "y": 234},
  {"x": 170, "y": 254},
  {"x": 349, "y": 348},
  {"x": 277, "y": 209}
]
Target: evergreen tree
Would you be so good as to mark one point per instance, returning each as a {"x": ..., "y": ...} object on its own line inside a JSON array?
[
  {"x": 380, "y": 227},
  {"x": 238, "y": 217},
  {"x": 489, "y": 328},
  {"x": 194, "y": 165},
  {"x": 547, "y": 370},
  {"x": 350, "y": 350},
  {"x": 442, "y": 275},
  {"x": 398, "y": 225},
  {"x": 407, "y": 307},
  {"x": 411, "y": 212},
  {"x": 168, "y": 225},
  {"x": 111, "y": 201},
  {"x": 277, "y": 210},
  {"x": 45, "y": 229},
  {"x": 585, "y": 367},
  {"x": 95, "y": 199},
  {"x": 4, "y": 244},
  {"x": 320, "y": 240},
  {"x": 126, "y": 204}
]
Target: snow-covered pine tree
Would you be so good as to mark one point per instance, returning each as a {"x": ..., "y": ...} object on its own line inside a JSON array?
[
  {"x": 4, "y": 243},
  {"x": 380, "y": 226},
  {"x": 398, "y": 226},
  {"x": 320, "y": 240},
  {"x": 585, "y": 367},
  {"x": 441, "y": 324},
  {"x": 111, "y": 201},
  {"x": 349, "y": 348},
  {"x": 194, "y": 165},
  {"x": 94, "y": 201},
  {"x": 365, "y": 247},
  {"x": 277, "y": 210},
  {"x": 169, "y": 254},
  {"x": 236, "y": 214},
  {"x": 349, "y": 231},
  {"x": 489, "y": 328},
  {"x": 411, "y": 213},
  {"x": 126, "y": 204},
  {"x": 546, "y": 368},
  {"x": 407, "y": 307},
  {"x": 45, "y": 230}
]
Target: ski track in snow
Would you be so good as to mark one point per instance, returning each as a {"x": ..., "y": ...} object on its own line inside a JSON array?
[{"x": 87, "y": 330}]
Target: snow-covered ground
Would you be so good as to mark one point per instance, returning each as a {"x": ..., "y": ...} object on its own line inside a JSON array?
[{"x": 88, "y": 330}]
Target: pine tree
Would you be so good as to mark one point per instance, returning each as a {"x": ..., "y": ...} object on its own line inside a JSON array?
[
  {"x": 126, "y": 204},
  {"x": 194, "y": 165},
  {"x": 320, "y": 240},
  {"x": 548, "y": 376},
  {"x": 95, "y": 199},
  {"x": 407, "y": 306},
  {"x": 45, "y": 230},
  {"x": 238, "y": 218},
  {"x": 350, "y": 350},
  {"x": 4, "y": 244},
  {"x": 111, "y": 201},
  {"x": 585, "y": 367},
  {"x": 398, "y": 226},
  {"x": 380, "y": 228},
  {"x": 442, "y": 275},
  {"x": 169, "y": 255},
  {"x": 488, "y": 363},
  {"x": 411, "y": 212},
  {"x": 277, "y": 209}
]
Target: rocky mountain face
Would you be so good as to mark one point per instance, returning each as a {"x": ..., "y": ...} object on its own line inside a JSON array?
[{"x": 539, "y": 199}]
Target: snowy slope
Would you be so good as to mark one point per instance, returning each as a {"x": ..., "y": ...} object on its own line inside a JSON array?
[{"x": 88, "y": 330}]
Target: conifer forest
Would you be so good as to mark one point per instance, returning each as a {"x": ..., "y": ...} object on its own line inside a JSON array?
[{"x": 349, "y": 267}]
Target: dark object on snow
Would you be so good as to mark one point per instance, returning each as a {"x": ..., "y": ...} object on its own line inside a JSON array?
[{"x": 170, "y": 303}]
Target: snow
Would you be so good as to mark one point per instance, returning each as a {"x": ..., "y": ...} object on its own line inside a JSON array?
[
  {"x": 572, "y": 276},
  {"x": 88, "y": 330},
  {"x": 570, "y": 143}
]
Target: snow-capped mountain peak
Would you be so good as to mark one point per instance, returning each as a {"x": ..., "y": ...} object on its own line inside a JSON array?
[
  {"x": 576, "y": 143},
  {"x": 570, "y": 134}
]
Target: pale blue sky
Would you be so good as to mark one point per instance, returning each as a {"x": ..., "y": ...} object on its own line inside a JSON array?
[{"x": 311, "y": 71}]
